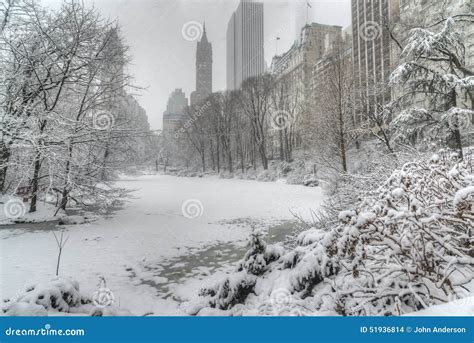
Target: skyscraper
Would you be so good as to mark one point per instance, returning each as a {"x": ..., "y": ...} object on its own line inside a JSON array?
[
  {"x": 245, "y": 43},
  {"x": 203, "y": 70},
  {"x": 174, "y": 117},
  {"x": 301, "y": 16},
  {"x": 372, "y": 51}
]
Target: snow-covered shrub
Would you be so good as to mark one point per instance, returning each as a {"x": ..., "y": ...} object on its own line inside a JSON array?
[
  {"x": 410, "y": 246},
  {"x": 61, "y": 295},
  {"x": 346, "y": 190},
  {"x": 316, "y": 262},
  {"x": 310, "y": 180},
  {"x": 260, "y": 255},
  {"x": 402, "y": 246},
  {"x": 226, "y": 175},
  {"x": 266, "y": 176},
  {"x": 235, "y": 288}
]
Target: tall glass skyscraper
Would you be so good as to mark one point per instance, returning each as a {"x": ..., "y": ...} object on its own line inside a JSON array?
[{"x": 245, "y": 43}]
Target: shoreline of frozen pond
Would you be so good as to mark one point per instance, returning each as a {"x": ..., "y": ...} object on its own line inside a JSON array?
[{"x": 150, "y": 229}]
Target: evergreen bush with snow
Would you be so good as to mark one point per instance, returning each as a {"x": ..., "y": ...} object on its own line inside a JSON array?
[
  {"x": 235, "y": 288},
  {"x": 434, "y": 63}
]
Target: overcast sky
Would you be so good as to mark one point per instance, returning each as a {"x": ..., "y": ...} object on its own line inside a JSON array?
[{"x": 164, "y": 59}]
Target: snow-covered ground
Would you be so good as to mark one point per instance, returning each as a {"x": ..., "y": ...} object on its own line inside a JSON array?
[
  {"x": 461, "y": 307},
  {"x": 169, "y": 233}
]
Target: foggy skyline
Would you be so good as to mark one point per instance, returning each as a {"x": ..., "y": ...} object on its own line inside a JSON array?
[{"x": 162, "y": 60}]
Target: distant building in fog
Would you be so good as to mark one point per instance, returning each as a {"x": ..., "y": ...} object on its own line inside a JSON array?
[
  {"x": 336, "y": 62},
  {"x": 203, "y": 70},
  {"x": 245, "y": 43},
  {"x": 313, "y": 41},
  {"x": 300, "y": 16},
  {"x": 372, "y": 52},
  {"x": 174, "y": 118},
  {"x": 295, "y": 66}
]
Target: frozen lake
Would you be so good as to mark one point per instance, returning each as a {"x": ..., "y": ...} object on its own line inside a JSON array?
[{"x": 155, "y": 250}]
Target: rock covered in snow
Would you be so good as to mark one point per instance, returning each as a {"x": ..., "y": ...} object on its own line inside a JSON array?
[{"x": 73, "y": 220}]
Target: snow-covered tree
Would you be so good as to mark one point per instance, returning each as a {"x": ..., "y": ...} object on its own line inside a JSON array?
[
  {"x": 434, "y": 68},
  {"x": 235, "y": 288},
  {"x": 334, "y": 109},
  {"x": 67, "y": 122}
]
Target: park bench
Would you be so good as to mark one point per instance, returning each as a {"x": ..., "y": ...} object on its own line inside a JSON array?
[{"x": 24, "y": 192}]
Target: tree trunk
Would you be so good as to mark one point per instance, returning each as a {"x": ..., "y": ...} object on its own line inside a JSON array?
[
  {"x": 456, "y": 132},
  {"x": 241, "y": 151},
  {"x": 263, "y": 155},
  {"x": 203, "y": 160},
  {"x": 218, "y": 161},
  {"x": 4, "y": 158},
  {"x": 287, "y": 146},
  {"x": 34, "y": 182},
  {"x": 342, "y": 142},
  {"x": 64, "y": 199},
  {"x": 104, "y": 163},
  {"x": 282, "y": 156},
  {"x": 65, "y": 192},
  {"x": 229, "y": 159}
]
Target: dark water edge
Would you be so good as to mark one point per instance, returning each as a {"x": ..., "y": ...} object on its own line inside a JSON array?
[{"x": 200, "y": 263}]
